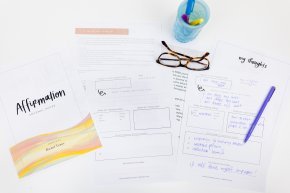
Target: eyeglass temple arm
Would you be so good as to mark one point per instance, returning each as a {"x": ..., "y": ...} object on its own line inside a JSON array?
[
  {"x": 201, "y": 58},
  {"x": 164, "y": 44}
]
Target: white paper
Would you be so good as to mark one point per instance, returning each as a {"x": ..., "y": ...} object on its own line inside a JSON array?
[
  {"x": 45, "y": 107},
  {"x": 132, "y": 111},
  {"x": 220, "y": 106}
]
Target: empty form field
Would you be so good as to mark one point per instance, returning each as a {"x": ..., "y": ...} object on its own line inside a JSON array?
[
  {"x": 117, "y": 83},
  {"x": 135, "y": 146},
  {"x": 155, "y": 118}
]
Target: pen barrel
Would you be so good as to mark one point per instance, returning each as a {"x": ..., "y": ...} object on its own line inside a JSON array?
[{"x": 260, "y": 112}]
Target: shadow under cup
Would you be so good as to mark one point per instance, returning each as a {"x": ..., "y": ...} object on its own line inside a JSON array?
[{"x": 184, "y": 32}]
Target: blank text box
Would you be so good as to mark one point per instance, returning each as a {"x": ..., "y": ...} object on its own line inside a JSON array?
[
  {"x": 135, "y": 146},
  {"x": 152, "y": 118},
  {"x": 113, "y": 83}
]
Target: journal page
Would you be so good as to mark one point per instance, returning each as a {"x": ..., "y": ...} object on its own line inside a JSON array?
[{"x": 220, "y": 107}]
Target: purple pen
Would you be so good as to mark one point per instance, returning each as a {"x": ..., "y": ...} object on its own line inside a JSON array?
[{"x": 260, "y": 112}]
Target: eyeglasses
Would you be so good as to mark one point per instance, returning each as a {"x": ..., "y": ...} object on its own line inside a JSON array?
[{"x": 175, "y": 59}]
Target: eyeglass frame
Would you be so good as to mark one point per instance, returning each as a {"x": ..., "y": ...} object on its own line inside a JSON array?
[{"x": 187, "y": 58}]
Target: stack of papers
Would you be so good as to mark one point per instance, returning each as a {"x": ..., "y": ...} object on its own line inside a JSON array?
[{"x": 155, "y": 123}]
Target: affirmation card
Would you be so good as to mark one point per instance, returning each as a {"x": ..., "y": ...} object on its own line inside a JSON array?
[{"x": 47, "y": 114}]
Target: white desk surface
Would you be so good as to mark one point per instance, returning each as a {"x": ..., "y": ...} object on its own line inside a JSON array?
[{"x": 31, "y": 29}]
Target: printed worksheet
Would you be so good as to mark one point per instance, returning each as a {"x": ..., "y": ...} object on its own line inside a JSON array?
[
  {"x": 47, "y": 114},
  {"x": 130, "y": 98},
  {"x": 219, "y": 109},
  {"x": 132, "y": 109}
]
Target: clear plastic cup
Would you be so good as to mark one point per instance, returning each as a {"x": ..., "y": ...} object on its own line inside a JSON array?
[{"x": 184, "y": 32}]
